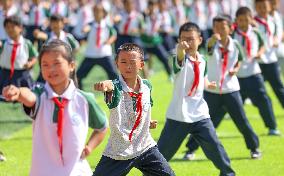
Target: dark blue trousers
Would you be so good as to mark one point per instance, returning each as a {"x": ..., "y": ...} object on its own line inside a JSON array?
[
  {"x": 89, "y": 63},
  {"x": 162, "y": 55},
  {"x": 253, "y": 88},
  {"x": 271, "y": 73},
  {"x": 149, "y": 163},
  {"x": 21, "y": 78},
  {"x": 174, "y": 132},
  {"x": 231, "y": 103}
]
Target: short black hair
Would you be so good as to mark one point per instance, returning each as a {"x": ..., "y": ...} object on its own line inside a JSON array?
[
  {"x": 189, "y": 26},
  {"x": 130, "y": 47},
  {"x": 223, "y": 17},
  {"x": 13, "y": 20},
  {"x": 56, "y": 17},
  {"x": 243, "y": 11}
]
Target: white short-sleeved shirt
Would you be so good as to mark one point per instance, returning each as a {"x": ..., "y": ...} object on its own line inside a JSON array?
[
  {"x": 136, "y": 22},
  {"x": 60, "y": 8},
  {"x": 270, "y": 53},
  {"x": 279, "y": 25},
  {"x": 166, "y": 21},
  {"x": 103, "y": 50},
  {"x": 65, "y": 37},
  {"x": 25, "y": 52},
  {"x": 84, "y": 17},
  {"x": 178, "y": 14},
  {"x": 250, "y": 65},
  {"x": 186, "y": 108},
  {"x": 197, "y": 14},
  {"x": 43, "y": 15},
  {"x": 122, "y": 118},
  {"x": 215, "y": 62},
  {"x": 80, "y": 112}
]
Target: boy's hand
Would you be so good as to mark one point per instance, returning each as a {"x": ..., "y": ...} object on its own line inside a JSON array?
[
  {"x": 212, "y": 85},
  {"x": 104, "y": 86},
  {"x": 11, "y": 93},
  {"x": 86, "y": 152},
  {"x": 275, "y": 42},
  {"x": 36, "y": 32},
  {"x": 86, "y": 29},
  {"x": 232, "y": 72},
  {"x": 216, "y": 37},
  {"x": 28, "y": 65},
  {"x": 183, "y": 45},
  {"x": 153, "y": 124}
]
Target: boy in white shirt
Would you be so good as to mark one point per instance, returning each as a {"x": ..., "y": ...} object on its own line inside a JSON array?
[
  {"x": 269, "y": 62},
  {"x": 249, "y": 75},
  {"x": 188, "y": 112},
  {"x": 224, "y": 59},
  {"x": 129, "y": 100}
]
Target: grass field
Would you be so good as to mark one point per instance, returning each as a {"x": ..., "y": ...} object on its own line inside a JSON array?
[{"x": 16, "y": 135}]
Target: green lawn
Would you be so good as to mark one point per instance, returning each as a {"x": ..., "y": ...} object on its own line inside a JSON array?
[{"x": 16, "y": 134}]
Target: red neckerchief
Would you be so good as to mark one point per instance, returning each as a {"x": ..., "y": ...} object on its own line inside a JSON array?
[
  {"x": 225, "y": 55},
  {"x": 13, "y": 58},
  {"x": 138, "y": 97},
  {"x": 127, "y": 24},
  {"x": 196, "y": 77},
  {"x": 264, "y": 23},
  {"x": 98, "y": 35},
  {"x": 247, "y": 40},
  {"x": 60, "y": 123},
  {"x": 36, "y": 16}
]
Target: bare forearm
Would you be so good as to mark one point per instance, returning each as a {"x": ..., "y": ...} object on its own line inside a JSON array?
[
  {"x": 27, "y": 97},
  {"x": 96, "y": 138}
]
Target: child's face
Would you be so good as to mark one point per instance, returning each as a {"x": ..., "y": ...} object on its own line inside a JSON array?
[
  {"x": 192, "y": 38},
  {"x": 99, "y": 13},
  {"x": 55, "y": 68},
  {"x": 262, "y": 8},
  {"x": 13, "y": 31},
  {"x": 243, "y": 22},
  {"x": 129, "y": 63},
  {"x": 222, "y": 28},
  {"x": 56, "y": 26},
  {"x": 128, "y": 6}
]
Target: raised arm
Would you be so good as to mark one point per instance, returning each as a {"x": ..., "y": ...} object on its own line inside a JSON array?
[{"x": 19, "y": 94}]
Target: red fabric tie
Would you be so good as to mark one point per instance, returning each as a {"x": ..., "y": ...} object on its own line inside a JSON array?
[
  {"x": 98, "y": 35},
  {"x": 60, "y": 123},
  {"x": 196, "y": 77},
  {"x": 127, "y": 24},
  {"x": 225, "y": 55},
  {"x": 36, "y": 17},
  {"x": 264, "y": 23},
  {"x": 138, "y": 97},
  {"x": 248, "y": 42},
  {"x": 13, "y": 59}
]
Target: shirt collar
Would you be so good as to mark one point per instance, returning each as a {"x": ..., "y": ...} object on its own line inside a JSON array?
[
  {"x": 68, "y": 93},
  {"x": 11, "y": 42},
  {"x": 199, "y": 57},
  {"x": 61, "y": 35},
  {"x": 125, "y": 88},
  {"x": 230, "y": 46}
]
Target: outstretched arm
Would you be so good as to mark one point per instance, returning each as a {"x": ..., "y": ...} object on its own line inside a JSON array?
[{"x": 21, "y": 94}]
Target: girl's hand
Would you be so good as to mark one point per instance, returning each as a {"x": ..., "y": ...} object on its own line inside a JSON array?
[
  {"x": 11, "y": 93},
  {"x": 86, "y": 152},
  {"x": 212, "y": 85},
  {"x": 28, "y": 65},
  {"x": 153, "y": 124},
  {"x": 104, "y": 86}
]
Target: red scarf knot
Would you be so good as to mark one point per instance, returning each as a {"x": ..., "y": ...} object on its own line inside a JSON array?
[{"x": 225, "y": 55}]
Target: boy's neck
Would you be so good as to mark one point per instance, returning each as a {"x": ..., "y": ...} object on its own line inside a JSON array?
[
  {"x": 225, "y": 42},
  {"x": 264, "y": 16},
  {"x": 57, "y": 33},
  {"x": 16, "y": 39},
  {"x": 193, "y": 54},
  {"x": 244, "y": 29},
  {"x": 60, "y": 89},
  {"x": 132, "y": 83}
]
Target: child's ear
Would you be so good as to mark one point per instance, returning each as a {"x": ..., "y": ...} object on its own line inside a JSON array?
[
  {"x": 141, "y": 64},
  {"x": 72, "y": 66},
  {"x": 200, "y": 40}
]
